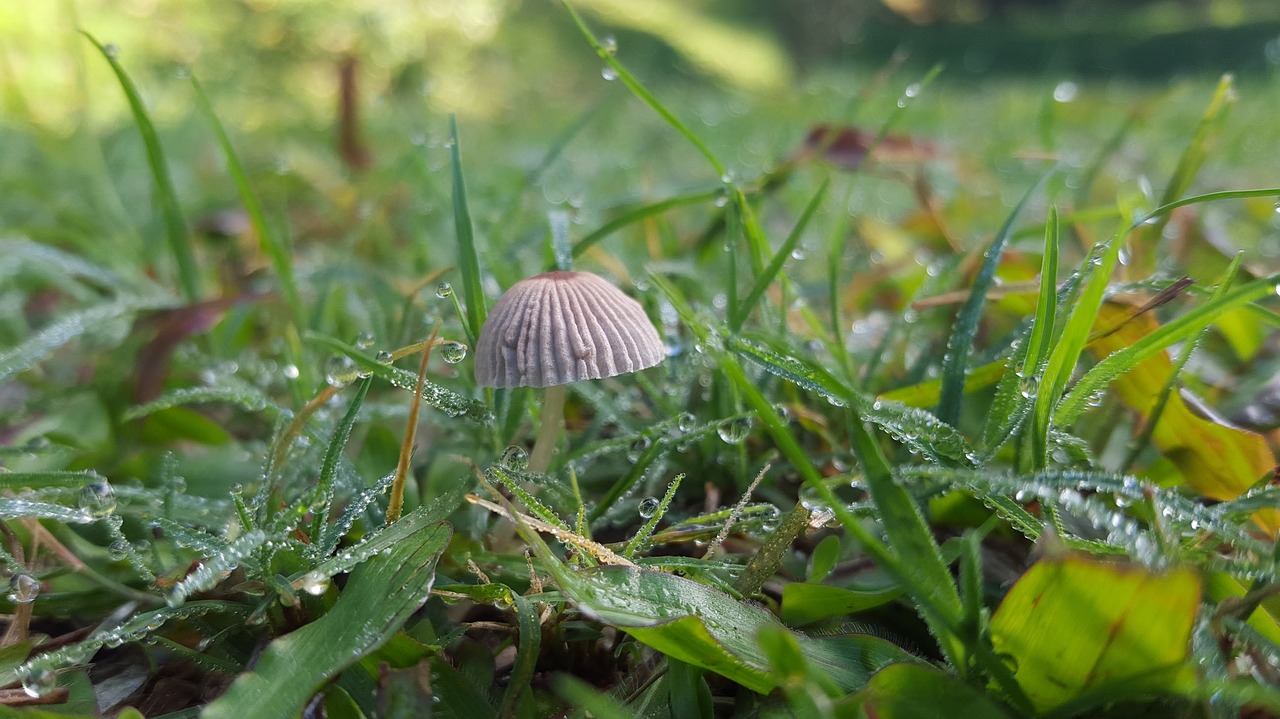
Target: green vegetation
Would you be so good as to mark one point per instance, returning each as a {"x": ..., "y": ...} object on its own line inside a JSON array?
[{"x": 932, "y": 437}]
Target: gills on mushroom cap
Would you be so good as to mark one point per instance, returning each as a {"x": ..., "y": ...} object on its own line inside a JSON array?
[{"x": 562, "y": 327}]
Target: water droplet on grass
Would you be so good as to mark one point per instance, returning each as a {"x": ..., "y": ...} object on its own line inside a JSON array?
[
  {"x": 315, "y": 583},
  {"x": 638, "y": 448},
  {"x": 515, "y": 458},
  {"x": 39, "y": 682},
  {"x": 444, "y": 290},
  {"x": 98, "y": 499},
  {"x": 364, "y": 340},
  {"x": 648, "y": 507},
  {"x": 610, "y": 44},
  {"x": 609, "y": 73},
  {"x": 339, "y": 370},
  {"x": 453, "y": 352},
  {"x": 1065, "y": 91},
  {"x": 384, "y": 357},
  {"x": 734, "y": 431},
  {"x": 119, "y": 549},
  {"x": 111, "y": 50},
  {"x": 23, "y": 588},
  {"x": 686, "y": 422}
]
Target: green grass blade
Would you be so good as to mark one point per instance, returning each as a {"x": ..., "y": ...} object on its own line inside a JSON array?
[
  {"x": 175, "y": 224},
  {"x": 1047, "y": 303},
  {"x": 272, "y": 244},
  {"x": 62, "y": 331},
  {"x": 1097, "y": 269},
  {"x": 765, "y": 278},
  {"x": 381, "y": 595},
  {"x": 1192, "y": 159},
  {"x": 640, "y": 212},
  {"x": 642, "y": 535},
  {"x": 642, "y": 93},
  {"x": 526, "y": 655},
  {"x": 440, "y": 397},
  {"x": 1015, "y": 392},
  {"x": 1167, "y": 208},
  {"x": 1184, "y": 355},
  {"x": 1183, "y": 328},
  {"x": 468, "y": 260},
  {"x": 955, "y": 363},
  {"x": 329, "y": 467}
]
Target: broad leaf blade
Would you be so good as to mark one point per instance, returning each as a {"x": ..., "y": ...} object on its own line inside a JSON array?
[
  {"x": 382, "y": 593},
  {"x": 710, "y": 629},
  {"x": 1075, "y": 624},
  {"x": 911, "y": 691}
]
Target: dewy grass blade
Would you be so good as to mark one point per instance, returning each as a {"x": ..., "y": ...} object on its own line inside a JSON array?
[
  {"x": 272, "y": 244},
  {"x": 175, "y": 224},
  {"x": 526, "y": 656},
  {"x": 468, "y": 260},
  {"x": 636, "y": 214},
  {"x": 1047, "y": 303},
  {"x": 955, "y": 363},
  {"x": 1184, "y": 355},
  {"x": 1192, "y": 159},
  {"x": 1097, "y": 269},
  {"x": 643, "y": 94},
  {"x": 1182, "y": 328},
  {"x": 771, "y": 271},
  {"x": 329, "y": 468}
]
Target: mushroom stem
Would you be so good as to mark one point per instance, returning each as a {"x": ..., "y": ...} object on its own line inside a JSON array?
[{"x": 552, "y": 422}]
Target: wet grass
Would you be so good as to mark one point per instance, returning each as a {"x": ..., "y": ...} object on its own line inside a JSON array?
[{"x": 905, "y": 399}]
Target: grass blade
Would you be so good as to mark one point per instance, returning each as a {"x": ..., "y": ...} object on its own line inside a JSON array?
[
  {"x": 381, "y": 595},
  {"x": 175, "y": 224},
  {"x": 332, "y": 455},
  {"x": 1193, "y": 157},
  {"x": 765, "y": 278},
  {"x": 1097, "y": 269},
  {"x": 1182, "y": 328},
  {"x": 468, "y": 260},
  {"x": 643, "y": 94},
  {"x": 635, "y": 214},
  {"x": 955, "y": 363},
  {"x": 272, "y": 244}
]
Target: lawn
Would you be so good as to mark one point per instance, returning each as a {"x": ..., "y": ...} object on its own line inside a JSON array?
[{"x": 944, "y": 389}]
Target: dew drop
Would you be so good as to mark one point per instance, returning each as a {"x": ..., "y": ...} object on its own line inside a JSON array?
[
  {"x": 384, "y": 357},
  {"x": 609, "y": 73},
  {"x": 638, "y": 448},
  {"x": 290, "y": 371},
  {"x": 364, "y": 340},
  {"x": 453, "y": 352},
  {"x": 610, "y": 44},
  {"x": 1028, "y": 386},
  {"x": 444, "y": 290},
  {"x": 734, "y": 431},
  {"x": 339, "y": 370},
  {"x": 315, "y": 583},
  {"x": 111, "y": 50},
  {"x": 98, "y": 499},
  {"x": 1065, "y": 91},
  {"x": 119, "y": 549},
  {"x": 23, "y": 588},
  {"x": 648, "y": 507},
  {"x": 39, "y": 682},
  {"x": 686, "y": 422},
  {"x": 515, "y": 458}
]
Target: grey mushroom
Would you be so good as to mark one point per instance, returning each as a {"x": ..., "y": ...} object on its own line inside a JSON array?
[{"x": 562, "y": 327}]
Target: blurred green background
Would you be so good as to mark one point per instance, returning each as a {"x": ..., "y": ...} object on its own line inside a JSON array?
[{"x": 1019, "y": 78}]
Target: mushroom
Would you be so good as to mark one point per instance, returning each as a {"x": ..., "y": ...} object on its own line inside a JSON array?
[{"x": 562, "y": 327}]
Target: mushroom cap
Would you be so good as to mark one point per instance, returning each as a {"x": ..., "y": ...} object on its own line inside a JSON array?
[{"x": 562, "y": 327}]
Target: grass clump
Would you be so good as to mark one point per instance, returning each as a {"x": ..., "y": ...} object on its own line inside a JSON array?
[{"x": 889, "y": 466}]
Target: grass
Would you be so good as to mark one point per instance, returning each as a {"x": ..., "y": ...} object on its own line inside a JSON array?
[{"x": 916, "y": 443}]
